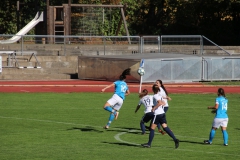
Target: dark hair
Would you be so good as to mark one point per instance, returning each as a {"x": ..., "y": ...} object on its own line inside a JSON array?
[
  {"x": 124, "y": 73},
  {"x": 221, "y": 92},
  {"x": 155, "y": 89},
  {"x": 160, "y": 81},
  {"x": 143, "y": 93}
]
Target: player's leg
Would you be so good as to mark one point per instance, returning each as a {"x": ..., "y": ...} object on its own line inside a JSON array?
[
  {"x": 225, "y": 136},
  {"x": 163, "y": 122},
  {"x": 151, "y": 134},
  {"x": 216, "y": 124},
  {"x": 224, "y": 131},
  {"x": 111, "y": 102}
]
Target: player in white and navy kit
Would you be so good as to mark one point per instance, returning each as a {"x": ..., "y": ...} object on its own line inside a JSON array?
[
  {"x": 221, "y": 117},
  {"x": 159, "y": 117},
  {"x": 114, "y": 104},
  {"x": 147, "y": 101},
  {"x": 164, "y": 94}
]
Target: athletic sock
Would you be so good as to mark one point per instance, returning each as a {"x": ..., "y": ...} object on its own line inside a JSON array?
[
  {"x": 110, "y": 119},
  {"x": 211, "y": 136},
  {"x": 170, "y": 133},
  {"x": 158, "y": 126},
  {"x": 142, "y": 126},
  {"x": 151, "y": 136},
  {"x": 109, "y": 109},
  {"x": 225, "y": 136}
]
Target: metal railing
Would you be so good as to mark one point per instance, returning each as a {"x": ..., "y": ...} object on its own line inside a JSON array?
[{"x": 106, "y": 45}]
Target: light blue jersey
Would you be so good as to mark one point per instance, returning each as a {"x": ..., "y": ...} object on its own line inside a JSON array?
[
  {"x": 120, "y": 88},
  {"x": 222, "y": 107}
]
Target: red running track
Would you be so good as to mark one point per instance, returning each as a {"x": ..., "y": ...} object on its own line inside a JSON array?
[{"x": 67, "y": 86}]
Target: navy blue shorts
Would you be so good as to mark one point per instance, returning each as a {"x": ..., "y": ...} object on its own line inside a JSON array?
[
  {"x": 160, "y": 118},
  {"x": 147, "y": 117}
]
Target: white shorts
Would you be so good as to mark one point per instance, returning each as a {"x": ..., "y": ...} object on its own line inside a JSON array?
[
  {"x": 116, "y": 102},
  {"x": 217, "y": 122}
]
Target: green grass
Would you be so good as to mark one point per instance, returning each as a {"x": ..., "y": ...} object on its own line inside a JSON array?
[{"x": 57, "y": 126}]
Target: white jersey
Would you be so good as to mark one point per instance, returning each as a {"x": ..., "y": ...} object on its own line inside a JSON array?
[
  {"x": 156, "y": 98},
  {"x": 147, "y": 101},
  {"x": 163, "y": 94}
]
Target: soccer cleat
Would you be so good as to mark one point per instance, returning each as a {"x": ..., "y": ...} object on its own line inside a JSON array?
[
  {"x": 106, "y": 127},
  {"x": 176, "y": 143},
  {"x": 225, "y": 144},
  {"x": 145, "y": 145},
  {"x": 161, "y": 131},
  {"x": 143, "y": 133},
  {"x": 116, "y": 115},
  {"x": 207, "y": 142}
]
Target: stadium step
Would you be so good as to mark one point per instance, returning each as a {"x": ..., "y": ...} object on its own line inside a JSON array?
[{"x": 51, "y": 68}]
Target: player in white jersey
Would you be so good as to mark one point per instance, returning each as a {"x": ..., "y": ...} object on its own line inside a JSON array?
[
  {"x": 147, "y": 101},
  {"x": 159, "y": 117},
  {"x": 221, "y": 117},
  {"x": 163, "y": 92},
  {"x": 114, "y": 104}
]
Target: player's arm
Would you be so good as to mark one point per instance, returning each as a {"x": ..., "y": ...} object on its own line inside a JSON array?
[
  {"x": 127, "y": 92},
  {"x": 159, "y": 103},
  {"x": 213, "y": 107},
  {"x": 111, "y": 85},
  {"x": 137, "y": 108},
  {"x": 168, "y": 98}
]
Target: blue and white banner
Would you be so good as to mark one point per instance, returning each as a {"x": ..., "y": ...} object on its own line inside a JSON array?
[{"x": 142, "y": 63}]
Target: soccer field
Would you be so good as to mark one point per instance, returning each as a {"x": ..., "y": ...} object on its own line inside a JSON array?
[{"x": 69, "y": 126}]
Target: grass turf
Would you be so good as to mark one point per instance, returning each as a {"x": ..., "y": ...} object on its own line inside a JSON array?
[{"x": 69, "y": 126}]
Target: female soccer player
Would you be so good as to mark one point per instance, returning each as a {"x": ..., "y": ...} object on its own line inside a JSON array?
[
  {"x": 147, "y": 101},
  {"x": 163, "y": 92},
  {"x": 221, "y": 117},
  {"x": 114, "y": 104},
  {"x": 159, "y": 117}
]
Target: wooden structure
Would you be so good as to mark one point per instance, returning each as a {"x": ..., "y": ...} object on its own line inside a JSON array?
[{"x": 59, "y": 20}]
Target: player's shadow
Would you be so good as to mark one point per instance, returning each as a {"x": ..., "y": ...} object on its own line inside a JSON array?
[
  {"x": 127, "y": 129},
  {"x": 192, "y": 142},
  {"x": 237, "y": 128},
  {"x": 123, "y": 144},
  {"x": 86, "y": 129}
]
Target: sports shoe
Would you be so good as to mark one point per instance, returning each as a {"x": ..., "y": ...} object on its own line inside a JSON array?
[
  {"x": 116, "y": 115},
  {"x": 176, "y": 143},
  {"x": 143, "y": 133},
  {"x": 106, "y": 127},
  {"x": 207, "y": 142},
  {"x": 225, "y": 144},
  {"x": 146, "y": 145},
  {"x": 161, "y": 131}
]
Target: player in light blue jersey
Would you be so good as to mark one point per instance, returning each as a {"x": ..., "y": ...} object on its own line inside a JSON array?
[
  {"x": 114, "y": 104},
  {"x": 221, "y": 117}
]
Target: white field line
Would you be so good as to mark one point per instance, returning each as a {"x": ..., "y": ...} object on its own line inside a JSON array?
[{"x": 117, "y": 136}]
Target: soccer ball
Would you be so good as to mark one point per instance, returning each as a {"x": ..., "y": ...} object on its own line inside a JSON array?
[{"x": 141, "y": 71}]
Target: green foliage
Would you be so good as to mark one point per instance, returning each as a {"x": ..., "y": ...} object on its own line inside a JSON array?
[
  {"x": 69, "y": 126},
  {"x": 216, "y": 19}
]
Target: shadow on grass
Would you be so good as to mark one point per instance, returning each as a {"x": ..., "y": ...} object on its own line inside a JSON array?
[
  {"x": 87, "y": 129},
  {"x": 237, "y": 128},
  {"x": 123, "y": 144},
  {"x": 192, "y": 142}
]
